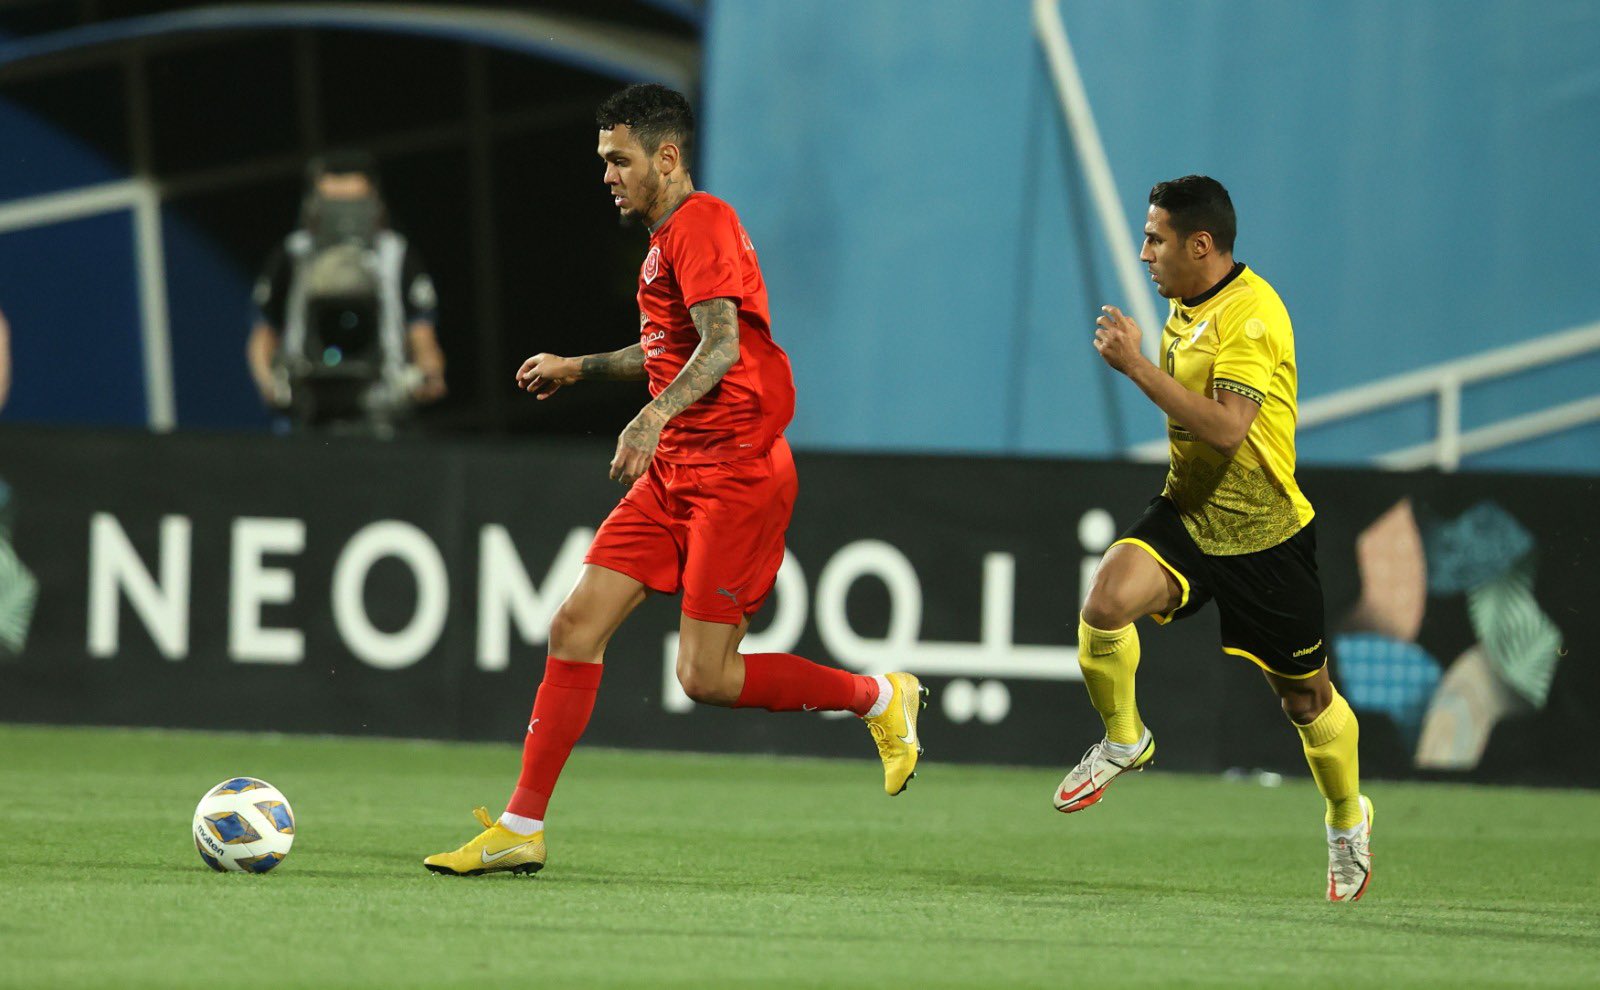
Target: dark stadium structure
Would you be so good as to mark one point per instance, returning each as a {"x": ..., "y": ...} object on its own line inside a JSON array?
[{"x": 482, "y": 123}]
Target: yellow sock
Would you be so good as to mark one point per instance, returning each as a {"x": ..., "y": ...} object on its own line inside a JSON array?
[
  {"x": 1109, "y": 659},
  {"x": 1330, "y": 744}
]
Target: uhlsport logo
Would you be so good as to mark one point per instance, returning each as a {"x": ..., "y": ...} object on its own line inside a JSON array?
[{"x": 652, "y": 264}]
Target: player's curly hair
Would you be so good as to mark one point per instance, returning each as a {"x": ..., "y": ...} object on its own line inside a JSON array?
[
  {"x": 1198, "y": 202},
  {"x": 653, "y": 112}
]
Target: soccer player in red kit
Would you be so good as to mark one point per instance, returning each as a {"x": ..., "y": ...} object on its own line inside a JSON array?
[{"x": 711, "y": 486}]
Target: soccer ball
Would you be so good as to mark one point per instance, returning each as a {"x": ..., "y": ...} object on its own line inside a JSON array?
[{"x": 243, "y": 825}]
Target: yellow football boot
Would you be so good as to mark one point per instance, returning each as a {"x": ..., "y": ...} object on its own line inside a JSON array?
[
  {"x": 496, "y": 850},
  {"x": 895, "y": 731}
]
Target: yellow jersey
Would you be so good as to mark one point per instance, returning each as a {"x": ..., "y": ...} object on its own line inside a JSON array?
[{"x": 1236, "y": 337}]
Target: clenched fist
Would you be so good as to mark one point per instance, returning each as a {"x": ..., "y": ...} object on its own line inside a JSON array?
[{"x": 1117, "y": 339}]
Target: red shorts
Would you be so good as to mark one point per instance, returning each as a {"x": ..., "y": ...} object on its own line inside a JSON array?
[{"x": 713, "y": 530}]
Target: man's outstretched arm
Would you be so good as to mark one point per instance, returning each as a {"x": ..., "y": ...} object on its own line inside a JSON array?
[
  {"x": 625, "y": 365},
  {"x": 543, "y": 374}
]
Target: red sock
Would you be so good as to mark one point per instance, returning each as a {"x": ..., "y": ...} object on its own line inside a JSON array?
[
  {"x": 783, "y": 682},
  {"x": 560, "y": 712}
]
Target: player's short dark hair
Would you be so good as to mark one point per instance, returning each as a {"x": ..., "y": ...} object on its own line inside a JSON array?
[
  {"x": 1195, "y": 203},
  {"x": 653, "y": 112}
]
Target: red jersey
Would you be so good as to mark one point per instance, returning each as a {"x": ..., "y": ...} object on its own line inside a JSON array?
[{"x": 701, "y": 252}]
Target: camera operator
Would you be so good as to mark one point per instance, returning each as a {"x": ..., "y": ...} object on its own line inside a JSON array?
[{"x": 345, "y": 334}]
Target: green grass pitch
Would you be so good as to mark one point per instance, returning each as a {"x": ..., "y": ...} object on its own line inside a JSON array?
[{"x": 699, "y": 871}]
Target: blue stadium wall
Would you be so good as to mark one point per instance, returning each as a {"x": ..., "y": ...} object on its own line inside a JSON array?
[{"x": 1408, "y": 177}]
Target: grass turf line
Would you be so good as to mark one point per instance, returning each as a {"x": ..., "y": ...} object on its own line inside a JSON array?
[{"x": 674, "y": 870}]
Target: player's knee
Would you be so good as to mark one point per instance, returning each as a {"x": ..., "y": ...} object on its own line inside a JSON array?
[
  {"x": 1302, "y": 707},
  {"x": 696, "y": 685},
  {"x": 571, "y": 633},
  {"x": 703, "y": 682},
  {"x": 1109, "y": 605},
  {"x": 704, "y": 688}
]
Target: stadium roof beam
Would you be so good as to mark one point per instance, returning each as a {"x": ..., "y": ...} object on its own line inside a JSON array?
[{"x": 628, "y": 54}]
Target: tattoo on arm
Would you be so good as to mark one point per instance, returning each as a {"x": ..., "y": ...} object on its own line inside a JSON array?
[
  {"x": 717, "y": 321},
  {"x": 626, "y": 365}
]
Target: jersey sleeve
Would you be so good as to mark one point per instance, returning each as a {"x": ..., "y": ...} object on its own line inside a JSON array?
[
  {"x": 421, "y": 299},
  {"x": 709, "y": 262},
  {"x": 1247, "y": 351}
]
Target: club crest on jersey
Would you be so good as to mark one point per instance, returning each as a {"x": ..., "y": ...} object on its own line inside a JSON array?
[{"x": 652, "y": 264}]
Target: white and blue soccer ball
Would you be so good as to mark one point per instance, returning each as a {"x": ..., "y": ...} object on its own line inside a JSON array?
[{"x": 243, "y": 825}]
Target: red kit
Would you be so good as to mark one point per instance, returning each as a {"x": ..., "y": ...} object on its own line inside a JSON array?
[{"x": 710, "y": 514}]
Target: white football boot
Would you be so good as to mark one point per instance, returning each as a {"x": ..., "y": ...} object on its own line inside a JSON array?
[
  {"x": 1087, "y": 782},
  {"x": 1350, "y": 860}
]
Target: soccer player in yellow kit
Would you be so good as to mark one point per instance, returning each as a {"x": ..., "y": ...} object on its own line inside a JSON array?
[{"x": 1230, "y": 525}]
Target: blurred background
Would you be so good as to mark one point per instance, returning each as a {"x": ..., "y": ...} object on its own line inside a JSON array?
[
  {"x": 942, "y": 194},
  {"x": 1406, "y": 176}
]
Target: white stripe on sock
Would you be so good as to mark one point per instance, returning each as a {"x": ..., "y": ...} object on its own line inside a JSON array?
[
  {"x": 1125, "y": 752},
  {"x": 885, "y": 692},
  {"x": 521, "y": 825},
  {"x": 1335, "y": 834}
]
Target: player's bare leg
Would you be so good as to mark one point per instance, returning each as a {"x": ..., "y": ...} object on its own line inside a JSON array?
[
  {"x": 1330, "y": 735},
  {"x": 592, "y": 613},
  {"x": 710, "y": 668},
  {"x": 714, "y": 672},
  {"x": 579, "y": 633},
  {"x": 1129, "y": 583}
]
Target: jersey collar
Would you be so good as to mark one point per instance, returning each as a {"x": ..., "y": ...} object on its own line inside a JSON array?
[
  {"x": 674, "y": 212},
  {"x": 1233, "y": 273}
]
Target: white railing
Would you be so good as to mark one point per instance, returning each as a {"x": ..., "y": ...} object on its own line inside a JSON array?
[
  {"x": 1444, "y": 384},
  {"x": 1052, "y": 31},
  {"x": 143, "y": 200}
]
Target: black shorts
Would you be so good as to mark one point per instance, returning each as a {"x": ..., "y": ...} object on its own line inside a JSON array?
[{"x": 1270, "y": 601}]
